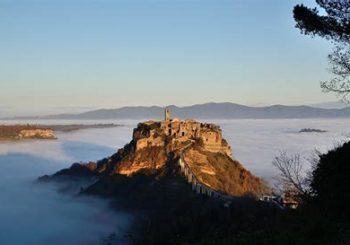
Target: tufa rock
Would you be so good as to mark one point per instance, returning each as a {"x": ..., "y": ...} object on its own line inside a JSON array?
[{"x": 157, "y": 146}]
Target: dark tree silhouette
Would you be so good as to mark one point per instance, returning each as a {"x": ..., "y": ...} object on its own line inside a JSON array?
[
  {"x": 292, "y": 177},
  {"x": 340, "y": 67},
  {"x": 331, "y": 183},
  {"x": 333, "y": 25}
]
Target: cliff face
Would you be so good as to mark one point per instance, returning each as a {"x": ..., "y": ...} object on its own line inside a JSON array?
[
  {"x": 36, "y": 134},
  {"x": 157, "y": 146},
  {"x": 153, "y": 145}
]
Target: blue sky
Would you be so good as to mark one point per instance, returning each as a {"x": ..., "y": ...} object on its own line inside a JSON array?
[{"x": 64, "y": 55}]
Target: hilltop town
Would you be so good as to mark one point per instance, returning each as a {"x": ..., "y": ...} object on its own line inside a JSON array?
[
  {"x": 20, "y": 132},
  {"x": 175, "y": 135},
  {"x": 197, "y": 151},
  {"x": 42, "y": 131}
]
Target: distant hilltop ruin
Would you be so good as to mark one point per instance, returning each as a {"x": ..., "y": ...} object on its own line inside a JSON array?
[
  {"x": 180, "y": 133},
  {"x": 19, "y": 132},
  {"x": 42, "y": 131}
]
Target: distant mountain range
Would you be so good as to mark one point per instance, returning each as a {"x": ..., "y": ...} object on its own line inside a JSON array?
[
  {"x": 206, "y": 111},
  {"x": 331, "y": 105}
]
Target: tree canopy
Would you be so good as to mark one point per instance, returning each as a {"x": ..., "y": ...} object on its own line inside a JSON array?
[
  {"x": 333, "y": 24},
  {"x": 331, "y": 182}
]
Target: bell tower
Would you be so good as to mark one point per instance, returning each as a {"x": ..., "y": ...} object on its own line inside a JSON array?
[{"x": 167, "y": 115}]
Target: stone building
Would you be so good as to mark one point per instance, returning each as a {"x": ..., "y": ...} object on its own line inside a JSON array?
[{"x": 152, "y": 133}]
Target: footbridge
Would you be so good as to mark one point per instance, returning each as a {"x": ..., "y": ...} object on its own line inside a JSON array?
[
  {"x": 197, "y": 185},
  {"x": 203, "y": 189}
]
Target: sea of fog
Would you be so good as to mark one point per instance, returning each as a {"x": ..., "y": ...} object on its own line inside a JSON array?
[
  {"x": 32, "y": 213},
  {"x": 39, "y": 214}
]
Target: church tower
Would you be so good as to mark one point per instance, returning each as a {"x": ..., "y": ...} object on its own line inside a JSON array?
[{"x": 167, "y": 115}]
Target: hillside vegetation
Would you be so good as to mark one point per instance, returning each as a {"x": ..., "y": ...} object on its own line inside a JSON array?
[{"x": 224, "y": 174}]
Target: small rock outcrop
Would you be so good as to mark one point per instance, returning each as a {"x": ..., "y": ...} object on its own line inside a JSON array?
[{"x": 312, "y": 130}]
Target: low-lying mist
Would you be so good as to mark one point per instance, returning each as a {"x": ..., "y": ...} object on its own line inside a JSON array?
[
  {"x": 32, "y": 213},
  {"x": 256, "y": 142},
  {"x": 38, "y": 213}
]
